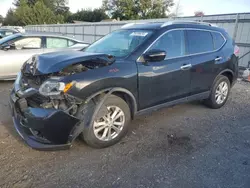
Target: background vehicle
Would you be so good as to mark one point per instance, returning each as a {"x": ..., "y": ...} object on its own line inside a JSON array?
[
  {"x": 20, "y": 29},
  {"x": 18, "y": 48},
  {"x": 7, "y": 32},
  {"x": 140, "y": 68}
]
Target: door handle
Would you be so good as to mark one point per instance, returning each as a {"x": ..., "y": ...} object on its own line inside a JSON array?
[
  {"x": 186, "y": 67},
  {"x": 218, "y": 58}
]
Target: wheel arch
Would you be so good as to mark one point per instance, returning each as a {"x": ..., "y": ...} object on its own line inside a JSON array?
[
  {"x": 123, "y": 93},
  {"x": 228, "y": 73}
]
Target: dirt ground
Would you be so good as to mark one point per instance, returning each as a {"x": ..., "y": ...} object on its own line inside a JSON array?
[{"x": 187, "y": 146}]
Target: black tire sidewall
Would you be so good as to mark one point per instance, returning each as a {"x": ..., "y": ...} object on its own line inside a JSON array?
[
  {"x": 88, "y": 133},
  {"x": 212, "y": 99}
]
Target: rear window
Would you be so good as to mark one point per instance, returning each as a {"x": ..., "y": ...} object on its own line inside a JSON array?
[
  {"x": 218, "y": 40},
  {"x": 199, "y": 41}
]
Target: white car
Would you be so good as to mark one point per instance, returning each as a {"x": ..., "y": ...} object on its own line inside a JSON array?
[{"x": 18, "y": 48}]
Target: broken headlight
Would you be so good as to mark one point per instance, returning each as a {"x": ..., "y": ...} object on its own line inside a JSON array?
[{"x": 51, "y": 87}]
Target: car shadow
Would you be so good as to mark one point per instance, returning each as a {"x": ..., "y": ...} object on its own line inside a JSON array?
[{"x": 177, "y": 110}]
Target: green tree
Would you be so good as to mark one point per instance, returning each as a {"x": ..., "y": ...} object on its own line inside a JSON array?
[
  {"x": 52, "y": 4},
  {"x": 137, "y": 9},
  {"x": 1, "y": 19},
  {"x": 37, "y": 14},
  {"x": 88, "y": 15},
  {"x": 10, "y": 18},
  {"x": 57, "y": 6},
  {"x": 31, "y": 3}
]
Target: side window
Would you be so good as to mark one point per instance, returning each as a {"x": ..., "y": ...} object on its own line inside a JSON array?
[
  {"x": 199, "y": 41},
  {"x": 172, "y": 42},
  {"x": 56, "y": 42},
  {"x": 9, "y": 33},
  {"x": 71, "y": 43},
  {"x": 218, "y": 40},
  {"x": 28, "y": 43}
]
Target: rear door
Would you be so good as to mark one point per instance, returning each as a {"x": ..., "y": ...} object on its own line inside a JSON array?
[{"x": 205, "y": 59}]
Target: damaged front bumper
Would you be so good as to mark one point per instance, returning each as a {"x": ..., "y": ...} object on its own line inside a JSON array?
[{"x": 42, "y": 129}]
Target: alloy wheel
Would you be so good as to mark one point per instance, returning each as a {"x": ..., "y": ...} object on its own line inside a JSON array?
[
  {"x": 221, "y": 93},
  {"x": 110, "y": 125}
]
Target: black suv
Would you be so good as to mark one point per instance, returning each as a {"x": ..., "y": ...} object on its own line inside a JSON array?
[{"x": 95, "y": 92}]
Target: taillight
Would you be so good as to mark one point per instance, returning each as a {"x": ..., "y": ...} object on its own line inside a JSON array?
[{"x": 237, "y": 51}]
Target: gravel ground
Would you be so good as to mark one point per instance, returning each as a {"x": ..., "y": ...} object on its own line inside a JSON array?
[{"x": 187, "y": 146}]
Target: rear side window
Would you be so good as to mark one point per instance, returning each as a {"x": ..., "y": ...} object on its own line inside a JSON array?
[
  {"x": 199, "y": 41},
  {"x": 56, "y": 42},
  {"x": 218, "y": 40},
  {"x": 71, "y": 43},
  {"x": 173, "y": 43}
]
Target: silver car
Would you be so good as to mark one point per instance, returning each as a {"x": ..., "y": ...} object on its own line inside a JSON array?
[{"x": 18, "y": 48}]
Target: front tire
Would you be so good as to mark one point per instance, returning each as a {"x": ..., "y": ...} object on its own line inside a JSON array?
[
  {"x": 219, "y": 93},
  {"x": 109, "y": 127}
]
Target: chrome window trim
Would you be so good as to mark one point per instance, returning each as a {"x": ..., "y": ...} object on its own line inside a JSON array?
[{"x": 184, "y": 29}]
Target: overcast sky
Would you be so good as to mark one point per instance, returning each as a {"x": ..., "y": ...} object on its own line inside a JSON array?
[{"x": 188, "y": 7}]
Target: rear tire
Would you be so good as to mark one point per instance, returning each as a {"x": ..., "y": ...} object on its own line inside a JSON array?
[
  {"x": 219, "y": 93},
  {"x": 106, "y": 129}
]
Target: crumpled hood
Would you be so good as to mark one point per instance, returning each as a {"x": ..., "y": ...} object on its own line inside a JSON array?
[{"x": 56, "y": 61}]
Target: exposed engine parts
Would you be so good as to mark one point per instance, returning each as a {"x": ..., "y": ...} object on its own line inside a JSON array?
[
  {"x": 84, "y": 66},
  {"x": 33, "y": 76},
  {"x": 68, "y": 104},
  {"x": 72, "y": 69}
]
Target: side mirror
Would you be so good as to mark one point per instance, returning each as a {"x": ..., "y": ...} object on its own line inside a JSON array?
[{"x": 154, "y": 55}]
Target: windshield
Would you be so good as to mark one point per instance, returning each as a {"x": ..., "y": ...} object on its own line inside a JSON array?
[
  {"x": 8, "y": 38},
  {"x": 119, "y": 43}
]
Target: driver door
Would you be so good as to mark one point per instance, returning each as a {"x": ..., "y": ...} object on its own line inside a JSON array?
[
  {"x": 16, "y": 53},
  {"x": 169, "y": 79}
]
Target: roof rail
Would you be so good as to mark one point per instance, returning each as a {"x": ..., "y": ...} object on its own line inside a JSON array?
[
  {"x": 131, "y": 24},
  {"x": 186, "y": 22}
]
